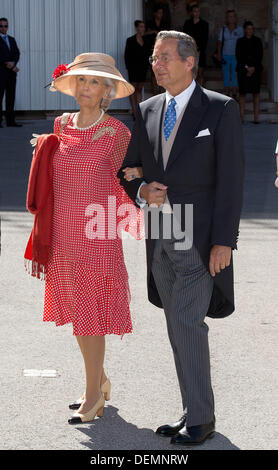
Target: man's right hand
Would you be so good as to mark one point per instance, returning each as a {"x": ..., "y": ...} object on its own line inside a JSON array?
[{"x": 154, "y": 193}]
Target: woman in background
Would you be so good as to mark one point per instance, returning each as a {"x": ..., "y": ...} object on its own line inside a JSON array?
[
  {"x": 249, "y": 54},
  {"x": 198, "y": 28},
  {"x": 155, "y": 25},
  {"x": 137, "y": 62}
]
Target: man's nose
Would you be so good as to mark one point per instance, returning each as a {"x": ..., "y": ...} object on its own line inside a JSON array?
[{"x": 158, "y": 64}]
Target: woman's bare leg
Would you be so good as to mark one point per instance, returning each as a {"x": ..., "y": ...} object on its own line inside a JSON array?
[
  {"x": 93, "y": 349},
  {"x": 104, "y": 376},
  {"x": 256, "y": 106},
  {"x": 242, "y": 106}
]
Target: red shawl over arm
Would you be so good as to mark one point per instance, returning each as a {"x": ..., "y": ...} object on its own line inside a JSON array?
[{"x": 40, "y": 203}]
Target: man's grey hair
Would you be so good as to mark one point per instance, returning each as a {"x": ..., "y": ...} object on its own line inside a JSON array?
[{"x": 186, "y": 46}]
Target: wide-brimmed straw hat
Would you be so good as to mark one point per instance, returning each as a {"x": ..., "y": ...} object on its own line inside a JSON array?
[{"x": 90, "y": 63}]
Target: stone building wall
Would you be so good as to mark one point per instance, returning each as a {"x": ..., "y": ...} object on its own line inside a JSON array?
[
  {"x": 213, "y": 11},
  {"x": 256, "y": 11}
]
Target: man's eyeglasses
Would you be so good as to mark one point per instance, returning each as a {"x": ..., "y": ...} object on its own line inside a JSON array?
[
  {"x": 4, "y": 26},
  {"x": 165, "y": 59}
]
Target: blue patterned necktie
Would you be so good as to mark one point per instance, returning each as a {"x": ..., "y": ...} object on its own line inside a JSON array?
[{"x": 170, "y": 118}]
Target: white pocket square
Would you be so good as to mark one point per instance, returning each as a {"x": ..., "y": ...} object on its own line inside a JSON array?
[{"x": 203, "y": 133}]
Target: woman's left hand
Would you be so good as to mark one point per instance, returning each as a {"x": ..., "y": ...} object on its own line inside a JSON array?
[{"x": 133, "y": 173}]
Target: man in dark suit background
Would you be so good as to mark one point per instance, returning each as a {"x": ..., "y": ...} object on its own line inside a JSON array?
[
  {"x": 9, "y": 56},
  {"x": 189, "y": 144}
]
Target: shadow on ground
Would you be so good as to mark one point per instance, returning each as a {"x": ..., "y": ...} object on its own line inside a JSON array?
[{"x": 112, "y": 432}]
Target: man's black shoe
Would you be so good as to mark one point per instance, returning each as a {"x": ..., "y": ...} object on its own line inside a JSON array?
[
  {"x": 169, "y": 430},
  {"x": 194, "y": 435}
]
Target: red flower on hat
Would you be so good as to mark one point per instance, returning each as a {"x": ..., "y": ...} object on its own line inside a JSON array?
[{"x": 60, "y": 70}]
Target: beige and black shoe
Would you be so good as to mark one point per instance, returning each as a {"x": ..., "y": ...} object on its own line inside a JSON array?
[
  {"x": 97, "y": 409},
  {"x": 106, "y": 390}
]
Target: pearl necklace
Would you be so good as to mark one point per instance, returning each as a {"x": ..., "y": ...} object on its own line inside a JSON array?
[{"x": 89, "y": 127}]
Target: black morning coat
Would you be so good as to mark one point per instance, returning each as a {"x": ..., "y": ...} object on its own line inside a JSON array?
[{"x": 207, "y": 172}]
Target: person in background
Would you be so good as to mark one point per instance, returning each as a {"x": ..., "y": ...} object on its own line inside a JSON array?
[
  {"x": 198, "y": 28},
  {"x": 9, "y": 56},
  {"x": 178, "y": 12},
  {"x": 151, "y": 5},
  {"x": 164, "y": 4},
  {"x": 137, "y": 62},
  {"x": 153, "y": 27},
  {"x": 226, "y": 52},
  {"x": 157, "y": 23},
  {"x": 249, "y": 55}
]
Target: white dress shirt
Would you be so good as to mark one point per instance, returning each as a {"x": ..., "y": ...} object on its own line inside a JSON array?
[
  {"x": 181, "y": 99},
  {"x": 181, "y": 102}
]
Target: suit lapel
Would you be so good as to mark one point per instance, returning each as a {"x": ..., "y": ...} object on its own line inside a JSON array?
[
  {"x": 193, "y": 114},
  {"x": 153, "y": 124}
]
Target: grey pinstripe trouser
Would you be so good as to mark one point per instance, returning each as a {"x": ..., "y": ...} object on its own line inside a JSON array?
[{"x": 185, "y": 288}]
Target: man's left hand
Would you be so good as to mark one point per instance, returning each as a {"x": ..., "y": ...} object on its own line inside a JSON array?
[
  {"x": 10, "y": 65},
  {"x": 220, "y": 258}
]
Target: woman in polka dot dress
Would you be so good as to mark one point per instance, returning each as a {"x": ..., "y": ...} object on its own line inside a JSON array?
[{"x": 87, "y": 281}]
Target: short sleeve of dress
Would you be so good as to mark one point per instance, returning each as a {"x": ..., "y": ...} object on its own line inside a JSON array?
[
  {"x": 135, "y": 226},
  {"x": 120, "y": 148},
  {"x": 57, "y": 125}
]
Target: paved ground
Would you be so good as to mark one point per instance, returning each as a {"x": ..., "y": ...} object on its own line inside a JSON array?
[{"x": 141, "y": 368}]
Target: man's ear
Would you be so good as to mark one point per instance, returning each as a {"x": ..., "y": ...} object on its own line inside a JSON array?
[{"x": 190, "y": 62}]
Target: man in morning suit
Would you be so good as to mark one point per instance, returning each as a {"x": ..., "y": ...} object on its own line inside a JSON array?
[
  {"x": 9, "y": 56},
  {"x": 189, "y": 144}
]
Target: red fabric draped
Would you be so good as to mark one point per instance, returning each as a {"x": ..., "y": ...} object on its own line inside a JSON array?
[{"x": 40, "y": 203}]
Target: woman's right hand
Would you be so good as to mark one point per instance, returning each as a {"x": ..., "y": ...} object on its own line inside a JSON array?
[{"x": 133, "y": 173}]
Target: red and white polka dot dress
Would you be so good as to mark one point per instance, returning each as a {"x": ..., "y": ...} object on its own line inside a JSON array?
[{"x": 87, "y": 281}]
